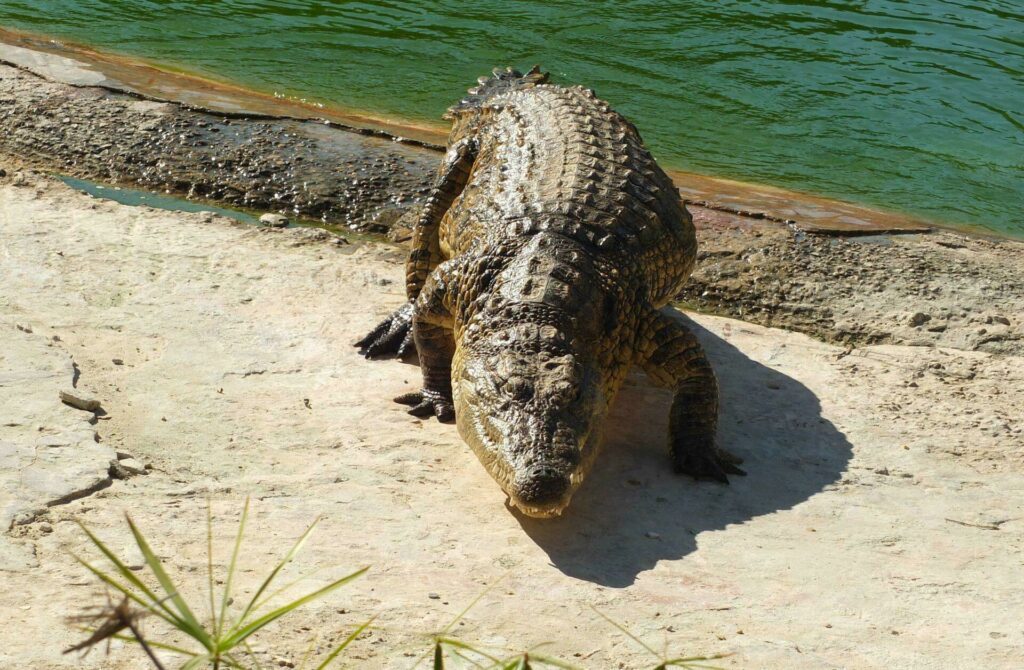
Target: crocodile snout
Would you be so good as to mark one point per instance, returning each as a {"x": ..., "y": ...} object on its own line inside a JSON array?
[{"x": 542, "y": 490}]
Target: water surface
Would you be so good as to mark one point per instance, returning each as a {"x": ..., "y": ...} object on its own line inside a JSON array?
[{"x": 915, "y": 106}]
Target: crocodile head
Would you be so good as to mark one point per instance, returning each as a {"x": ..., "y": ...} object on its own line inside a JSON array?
[{"x": 529, "y": 404}]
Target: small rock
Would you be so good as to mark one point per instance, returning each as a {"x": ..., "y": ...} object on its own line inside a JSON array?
[
  {"x": 24, "y": 329},
  {"x": 936, "y": 328},
  {"x": 997, "y": 318},
  {"x": 433, "y": 596},
  {"x": 79, "y": 401},
  {"x": 919, "y": 319},
  {"x": 45, "y": 528},
  {"x": 133, "y": 466},
  {"x": 126, "y": 468},
  {"x": 274, "y": 220},
  {"x": 19, "y": 179},
  {"x": 652, "y": 535},
  {"x": 117, "y": 361},
  {"x": 283, "y": 662}
]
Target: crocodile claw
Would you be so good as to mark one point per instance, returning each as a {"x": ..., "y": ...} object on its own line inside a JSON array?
[
  {"x": 715, "y": 464},
  {"x": 427, "y": 403},
  {"x": 391, "y": 337}
]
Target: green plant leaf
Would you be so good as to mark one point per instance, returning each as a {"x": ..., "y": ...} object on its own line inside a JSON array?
[
  {"x": 157, "y": 645},
  {"x": 694, "y": 661},
  {"x": 190, "y": 625},
  {"x": 125, "y": 572},
  {"x": 438, "y": 656},
  {"x": 209, "y": 567},
  {"x": 252, "y": 655},
  {"x": 347, "y": 641},
  {"x": 465, "y": 656},
  {"x": 273, "y": 573},
  {"x": 459, "y": 644},
  {"x": 226, "y": 596},
  {"x": 287, "y": 587},
  {"x": 554, "y": 662},
  {"x": 625, "y": 632},
  {"x": 150, "y": 606},
  {"x": 196, "y": 661},
  {"x": 241, "y": 632}
]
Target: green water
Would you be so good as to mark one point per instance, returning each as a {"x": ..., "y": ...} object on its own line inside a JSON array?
[
  {"x": 137, "y": 198},
  {"x": 915, "y": 106}
]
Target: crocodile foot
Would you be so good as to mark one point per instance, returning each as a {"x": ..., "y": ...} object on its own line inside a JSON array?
[
  {"x": 712, "y": 463},
  {"x": 391, "y": 337},
  {"x": 429, "y": 403}
]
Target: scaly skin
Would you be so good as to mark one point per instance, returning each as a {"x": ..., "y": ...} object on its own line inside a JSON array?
[{"x": 538, "y": 270}]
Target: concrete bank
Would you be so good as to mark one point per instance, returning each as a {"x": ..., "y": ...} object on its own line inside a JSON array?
[{"x": 880, "y": 525}]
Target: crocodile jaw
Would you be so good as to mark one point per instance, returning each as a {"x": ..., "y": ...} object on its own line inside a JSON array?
[{"x": 483, "y": 434}]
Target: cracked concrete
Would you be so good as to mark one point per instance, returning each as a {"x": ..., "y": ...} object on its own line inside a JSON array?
[{"x": 48, "y": 451}]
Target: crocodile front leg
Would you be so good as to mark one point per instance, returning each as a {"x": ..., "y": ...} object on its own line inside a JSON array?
[
  {"x": 393, "y": 336},
  {"x": 673, "y": 358},
  {"x": 435, "y": 343}
]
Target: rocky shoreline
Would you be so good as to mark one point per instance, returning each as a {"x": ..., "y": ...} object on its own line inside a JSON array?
[
  {"x": 305, "y": 168},
  {"x": 929, "y": 288}
]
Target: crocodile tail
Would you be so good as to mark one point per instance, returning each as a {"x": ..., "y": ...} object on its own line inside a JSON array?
[{"x": 501, "y": 81}]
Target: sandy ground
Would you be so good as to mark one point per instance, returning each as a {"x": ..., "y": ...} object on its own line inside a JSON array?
[{"x": 880, "y": 525}]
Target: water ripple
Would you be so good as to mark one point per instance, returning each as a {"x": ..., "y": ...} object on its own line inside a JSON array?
[{"x": 912, "y": 105}]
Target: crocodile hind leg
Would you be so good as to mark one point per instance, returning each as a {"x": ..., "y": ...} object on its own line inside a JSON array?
[
  {"x": 673, "y": 358},
  {"x": 393, "y": 336},
  {"x": 435, "y": 342}
]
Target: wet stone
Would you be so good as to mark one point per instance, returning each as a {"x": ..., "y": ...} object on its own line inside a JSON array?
[{"x": 274, "y": 220}]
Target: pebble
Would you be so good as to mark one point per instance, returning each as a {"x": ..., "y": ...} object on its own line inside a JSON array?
[
  {"x": 117, "y": 361},
  {"x": 919, "y": 319},
  {"x": 274, "y": 220},
  {"x": 434, "y": 596},
  {"x": 133, "y": 466}
]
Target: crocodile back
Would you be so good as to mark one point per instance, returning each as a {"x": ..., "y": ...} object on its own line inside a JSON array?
[{"x": 561, "y": 160}]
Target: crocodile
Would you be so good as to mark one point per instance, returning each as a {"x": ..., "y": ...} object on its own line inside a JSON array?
[{"x": 540, "y": 264}]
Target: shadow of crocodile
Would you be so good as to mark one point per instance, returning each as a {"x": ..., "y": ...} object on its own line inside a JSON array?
[{"x": 633, "y": 511}]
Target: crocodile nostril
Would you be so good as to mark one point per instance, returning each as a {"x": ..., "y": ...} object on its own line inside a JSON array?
[{"x": 542, "y": 485}]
